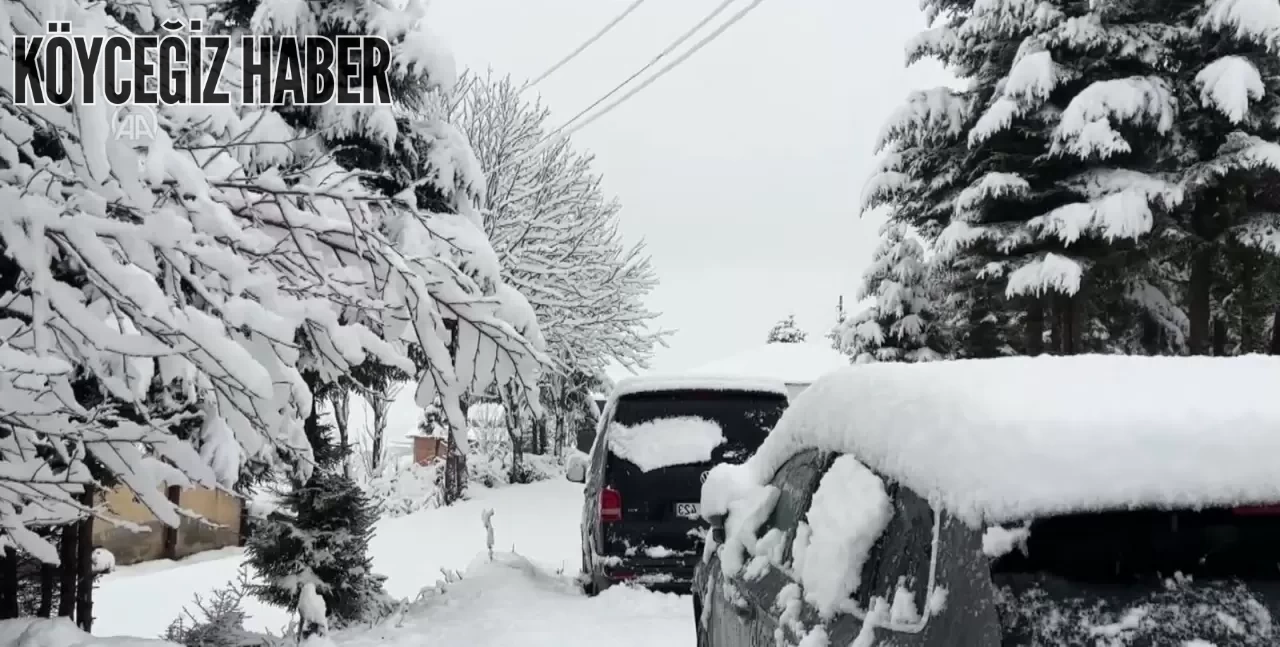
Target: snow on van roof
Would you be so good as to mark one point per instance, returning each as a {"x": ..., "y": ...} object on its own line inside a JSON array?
[
  {"x": 1008, "y": 439},
  {"x": 707, "y": 382}
]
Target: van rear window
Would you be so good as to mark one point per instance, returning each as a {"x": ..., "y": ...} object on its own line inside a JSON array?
[
  {"x": 744, "y": 418},
  {"x": 1242, "y": 543}
]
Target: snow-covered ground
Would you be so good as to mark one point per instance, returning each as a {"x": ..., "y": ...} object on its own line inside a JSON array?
[{"x": 519, "y": 599}]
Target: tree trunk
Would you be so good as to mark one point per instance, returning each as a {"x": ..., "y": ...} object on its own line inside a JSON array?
[
  {"x": 84, "y": 550},
  {"x": 1035, "y": 326},
  {"x": 1275, "y": 332},
  {"x": 1250, "y": 317},
  {"x": 9, "y": 607},
  {"x": 174, "y": 494},
  {"x": 69, "y": 556},
  {"x": 1151, "y": 335},
  {"x": 341, "y": 400},
  {"x": 1199, "y": 303},
  {"x": 48, "y": 579},
  {"x": 1056, "y": 330},
  {"x": 1219, "y": 337}
]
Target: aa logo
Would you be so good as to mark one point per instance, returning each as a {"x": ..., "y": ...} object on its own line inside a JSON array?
[{"x": 135, "y": 124}]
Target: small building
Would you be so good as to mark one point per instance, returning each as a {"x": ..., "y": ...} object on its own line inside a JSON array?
[
  {"x": 220, "y": 525},
  {"x": 795, "y": 364},
  {"x": 428, "y": 448}
]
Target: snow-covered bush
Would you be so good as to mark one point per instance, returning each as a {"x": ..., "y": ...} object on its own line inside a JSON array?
[
  {"x": 218, "y": 619},
  {"x": 407, "y": 487}
]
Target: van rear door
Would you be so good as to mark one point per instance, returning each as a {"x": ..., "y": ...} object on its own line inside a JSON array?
[{"x": 659, "y": 504}]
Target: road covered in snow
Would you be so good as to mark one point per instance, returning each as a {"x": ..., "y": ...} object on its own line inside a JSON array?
[{"x": 526, "y": 596}]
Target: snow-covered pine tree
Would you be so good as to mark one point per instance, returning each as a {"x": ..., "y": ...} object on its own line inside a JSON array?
[
  {"x": 320, "y": 537},
  {"x": 900, "y": 326},
  {"x": 786, "y": 332},
  {"x": 1227, "y": 94},
  {"x": 1043, "y": 178}
]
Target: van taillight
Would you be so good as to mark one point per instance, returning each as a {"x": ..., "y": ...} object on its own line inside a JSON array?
[{"x": 610, "y": 505}]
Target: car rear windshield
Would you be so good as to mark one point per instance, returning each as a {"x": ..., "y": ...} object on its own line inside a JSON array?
[
  {"x": 1241, "y": 543},
  {"x": 744, "y": 418}
]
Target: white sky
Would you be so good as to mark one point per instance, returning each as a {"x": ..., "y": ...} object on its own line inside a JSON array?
[{"x": 742, "y": 169}]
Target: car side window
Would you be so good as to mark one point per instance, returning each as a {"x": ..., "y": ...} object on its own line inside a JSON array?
[
  {"x": 901, "y": 556},
  {"x": 796, "y": 481}
]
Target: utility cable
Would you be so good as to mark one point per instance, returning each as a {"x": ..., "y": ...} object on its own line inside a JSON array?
[
  {"x": 566, "y": 130},
  {"x": 581, "y": 48}
]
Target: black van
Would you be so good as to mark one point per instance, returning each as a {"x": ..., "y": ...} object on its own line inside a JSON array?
[{"x": 644, "y": 527}]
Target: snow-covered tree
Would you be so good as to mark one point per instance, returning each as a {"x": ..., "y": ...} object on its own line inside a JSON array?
[
  {"x": 320, "y": 538},
  {"x": 1100, "y": 158},
  {"x": 787, "y": 332},
  {"x": 556, "y": 236},
  {"x": 555, "y": 233},
  {"x": 205, "y": 271},
  {"x": 900, "y": 326}
]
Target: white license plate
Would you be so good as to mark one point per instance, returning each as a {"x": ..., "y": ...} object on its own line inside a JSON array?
[{"x": 687, "y": 510}]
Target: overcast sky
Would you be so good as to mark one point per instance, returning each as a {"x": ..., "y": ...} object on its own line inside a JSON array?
[{"x": 742, "y": 168}]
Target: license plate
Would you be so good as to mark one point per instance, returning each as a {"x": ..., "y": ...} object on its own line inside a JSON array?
[{"x": 687, "y": 510}]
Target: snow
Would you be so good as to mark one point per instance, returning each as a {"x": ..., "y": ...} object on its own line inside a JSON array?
[
  {"x": 665, "y": 442},
  {"x": 850, "y": 510},
  {"x": 102, "y": 560},
  {"x": 1229, "y": 84},
  {"x": 1085, "y": 128},
  {"x": 999, "y": 541},
  {"x": 525, "y": 595},
  {"x": 1006, "y": 440},
  {"x": 700, "y": 381},
  {"x": 62, "y": 632},
  {"x": 794, "y": 363}
]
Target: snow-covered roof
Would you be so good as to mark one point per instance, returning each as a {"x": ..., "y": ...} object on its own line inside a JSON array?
[
  {"x": 792, "y": 363},
  {"x": 1014, "y": 438},
  {"x": 699, "y": 382}
]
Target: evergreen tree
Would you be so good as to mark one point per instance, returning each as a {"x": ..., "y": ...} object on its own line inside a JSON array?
[
  {"x": 901, "y": 325},
  {"x": 786, "y": 332},
  {"x": 1104, "y": 164},
  {"x": 320, "y": 537}
]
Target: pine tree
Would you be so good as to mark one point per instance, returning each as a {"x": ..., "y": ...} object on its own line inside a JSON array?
[
  {"x": 320, "y": 537},
  {"x": 1059, "y": 188},
  {"x": 786, "y": 332},
  {"x": 901, "y": 325}
]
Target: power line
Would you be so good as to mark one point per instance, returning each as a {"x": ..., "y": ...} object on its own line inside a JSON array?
[
  {"x": 590, "y": 41},
  {"x": 654, "y": 61},
  {"x": 565, "y": 130}
]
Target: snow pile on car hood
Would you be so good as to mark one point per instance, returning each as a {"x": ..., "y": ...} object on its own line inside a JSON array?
[
  {"x": 666, "y": 442},
  {"x": 1002, "y": 440}
]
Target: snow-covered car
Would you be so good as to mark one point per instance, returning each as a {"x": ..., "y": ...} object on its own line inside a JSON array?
[
  {"x": 657, "y": 440},
  {"x": 1013, "y": 502}
]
